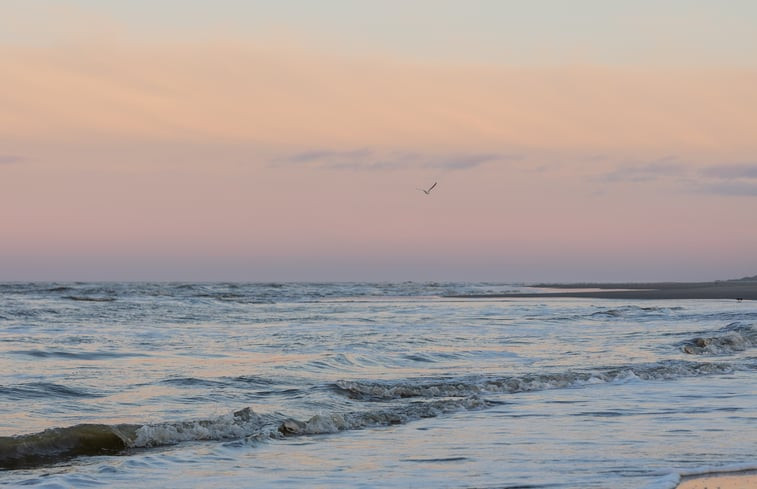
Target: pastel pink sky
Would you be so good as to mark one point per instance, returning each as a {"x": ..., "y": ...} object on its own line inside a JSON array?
[{"x": 267, "y": 157}]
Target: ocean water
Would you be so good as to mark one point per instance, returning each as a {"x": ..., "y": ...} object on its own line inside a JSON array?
[{"x": 358, "y": 385}]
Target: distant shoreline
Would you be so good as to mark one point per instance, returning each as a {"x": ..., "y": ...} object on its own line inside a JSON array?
[{"x": 727, "y": 289}]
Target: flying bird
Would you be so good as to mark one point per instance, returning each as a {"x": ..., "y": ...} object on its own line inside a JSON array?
[{"x": 429, "y": 189}]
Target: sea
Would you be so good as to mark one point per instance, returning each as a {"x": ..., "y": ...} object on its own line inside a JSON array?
[{"x": 368, "y": 385}]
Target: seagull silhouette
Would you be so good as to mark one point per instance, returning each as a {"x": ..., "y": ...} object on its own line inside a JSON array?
[{"x": 429, "y": 189}]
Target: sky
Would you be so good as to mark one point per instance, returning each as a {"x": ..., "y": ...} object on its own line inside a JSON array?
[{"x": 274, "y": 141}]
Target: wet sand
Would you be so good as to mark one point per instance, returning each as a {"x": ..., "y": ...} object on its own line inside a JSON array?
[
  {"x": 746, "y": 480},
  {"x": 727, "y": 289}
]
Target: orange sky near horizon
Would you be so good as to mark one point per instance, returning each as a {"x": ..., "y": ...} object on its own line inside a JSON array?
[{"x": 252, "y": 160}]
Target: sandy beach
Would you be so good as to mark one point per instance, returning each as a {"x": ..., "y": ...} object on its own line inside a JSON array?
[
  {"x": 746, "y": 480},
  {"x": 744, "y": 289}
]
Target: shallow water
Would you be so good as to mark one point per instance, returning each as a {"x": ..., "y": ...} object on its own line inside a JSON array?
[{"x": 367, "y": 385}]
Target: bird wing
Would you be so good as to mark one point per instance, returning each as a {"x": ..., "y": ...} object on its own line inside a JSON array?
[{"x": 432, "y": 187}]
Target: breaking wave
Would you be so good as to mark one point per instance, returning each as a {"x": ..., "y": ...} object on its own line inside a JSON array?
[
  {"x": 733, "y": 338},
  {"x": 335, "y": 422},
  {"x": 666, "y": 370},
  {"x": 633, "y": 310},
  {"x": 57, "y": 444},
  {"x": 60, "y": 444},
  {"x": 240, "y": 424}
]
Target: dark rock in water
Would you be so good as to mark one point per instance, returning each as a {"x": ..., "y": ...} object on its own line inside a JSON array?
[
  {"x": 696, "y": 346},
  {"x": 244, "y": 414},
  {"x": 291, "y": 427},
  {"x": 702, "y": 342}
]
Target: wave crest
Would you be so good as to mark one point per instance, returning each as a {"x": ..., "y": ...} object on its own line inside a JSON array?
[
  {"x": 335, "y": 422},
  {"x": 56, "y": 444},
  {"x": 59, "y": 444},
  {"x": 731, "y": 339},
  {"x": 240, "y": 424},
  {"x": 372, "y": 390}
]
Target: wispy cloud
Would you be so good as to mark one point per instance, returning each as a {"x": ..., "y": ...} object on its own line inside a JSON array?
[
  {"x": 9, "y": 159},
  {"x": 367, "y": 159},
  {"x": 736, "y": 180},
  {"x": 646, "y": 171},
  {"x": 731, "y": 172},
  {"x": 730, "y": 188},
  {"x": 321, "y": 155},
  {"x": 466, "y": 161}
]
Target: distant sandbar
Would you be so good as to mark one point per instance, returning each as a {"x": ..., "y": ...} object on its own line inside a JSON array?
[{"x": 745, "y": 289}]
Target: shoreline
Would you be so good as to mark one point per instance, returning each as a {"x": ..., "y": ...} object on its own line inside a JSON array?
[
  {"x": 732, "y": 290},
  {"x": 738, "y": 480}
]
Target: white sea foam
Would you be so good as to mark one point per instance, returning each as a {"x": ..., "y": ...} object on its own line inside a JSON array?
[
  {"x": 723, "y": 469},
  {"x": 246, "y": 424},
  {"x": 668, "y": 481},
  {"x": 237, "y": 425}
]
